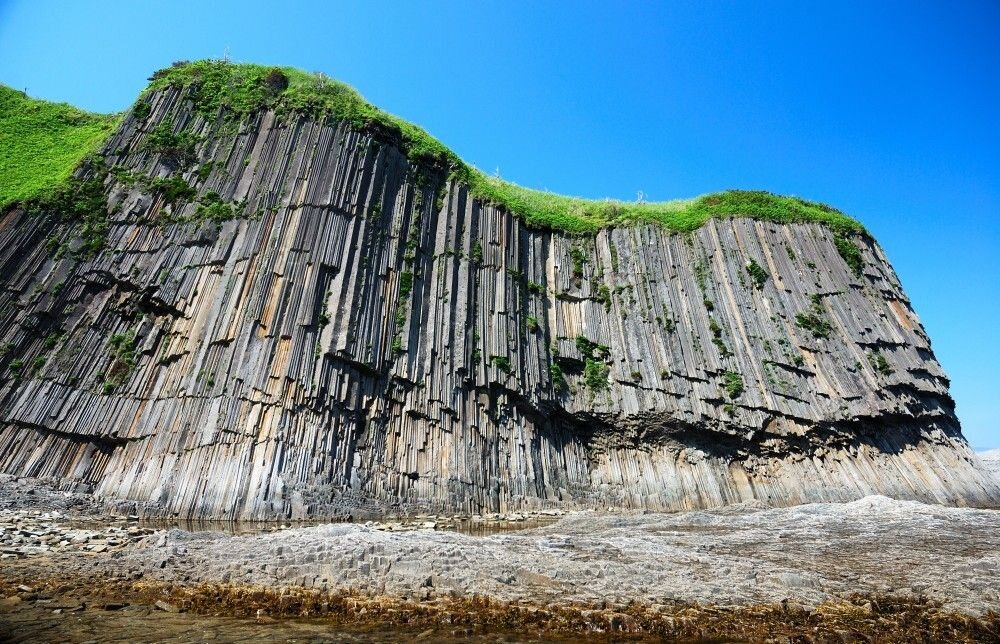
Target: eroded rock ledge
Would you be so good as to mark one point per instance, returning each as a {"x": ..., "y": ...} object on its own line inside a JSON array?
[{"x": 303, "y": 322}]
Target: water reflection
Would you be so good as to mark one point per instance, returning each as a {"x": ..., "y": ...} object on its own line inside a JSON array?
[
  {"x": 472, "y": 527},
  {"x": 140, "y": 623}
]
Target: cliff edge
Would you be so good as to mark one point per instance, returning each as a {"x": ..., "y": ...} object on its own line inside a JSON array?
[{"x": 266, "y": 309}]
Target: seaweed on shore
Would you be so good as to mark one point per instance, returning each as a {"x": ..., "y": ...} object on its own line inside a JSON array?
[{"x": 885, "y": 619}]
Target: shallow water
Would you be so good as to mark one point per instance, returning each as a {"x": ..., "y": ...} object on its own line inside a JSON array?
[
  {"x": 36, "y": 624},
  {"x": 475, "y": 528}
]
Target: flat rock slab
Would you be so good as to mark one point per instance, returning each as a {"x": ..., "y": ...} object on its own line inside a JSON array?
[{"x": 735, "y": 556}]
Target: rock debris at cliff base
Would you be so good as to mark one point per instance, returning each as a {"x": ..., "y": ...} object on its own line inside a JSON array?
[{"x": 285, "y": 317}]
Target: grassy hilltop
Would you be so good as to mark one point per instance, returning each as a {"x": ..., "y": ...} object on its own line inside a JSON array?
[{"x": 41, "y": 143}]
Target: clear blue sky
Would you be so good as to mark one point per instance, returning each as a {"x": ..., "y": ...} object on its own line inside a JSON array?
[{"x": 886, "y": 110}]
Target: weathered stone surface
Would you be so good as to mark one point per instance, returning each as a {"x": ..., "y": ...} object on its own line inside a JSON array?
[
  {"x": 368, "y": 337},
  {"x": 738, "y": 555}
]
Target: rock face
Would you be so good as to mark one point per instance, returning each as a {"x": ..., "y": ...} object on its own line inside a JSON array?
[{"x": 366, "y": 336}]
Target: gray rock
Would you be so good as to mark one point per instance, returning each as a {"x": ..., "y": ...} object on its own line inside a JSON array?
[{"x": 369, "y": 337}]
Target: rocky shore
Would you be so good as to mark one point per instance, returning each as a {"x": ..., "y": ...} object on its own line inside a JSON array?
[{"x": 834, "y": 571}]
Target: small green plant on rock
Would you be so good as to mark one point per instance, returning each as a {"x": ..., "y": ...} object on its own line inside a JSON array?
[
  {"x": 595, "y": 374},
  {"x": 324, "y": 316},
  {"x": 717, "y": 338},
  {"x": 668, "y": 324},
  {"x": 52, "y": 340},
  {"x": 880, "y": 364},
  {"x": 405, "y": 283},
  {"x": 757, "y": 274},
  {"x": 813, "y": 323},
  {"x": 37, "y": 364},
  {"x": 579, "y": 259},
  {"x": 176, "y": 147},
  {"x": 850, "y": 252},
  {"x": 814, "y": 320},
  {"x": 141, "y": 110},
  {"x": 591, "y": 349},
  {"x": 211, "y": 207},
  {"x": 733, "y": 384},
  {"x": 123, "y": 360},
  {"x": 502, "y": 363},
  {"x": 173, "y": 189},
  {"x": 557, "y": 378},
  {"x": 603, "y": 296},
  {"x": 204, "y": 170}
]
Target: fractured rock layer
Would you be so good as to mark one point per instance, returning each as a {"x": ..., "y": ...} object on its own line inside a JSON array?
[{"x": 368, "y": 336}]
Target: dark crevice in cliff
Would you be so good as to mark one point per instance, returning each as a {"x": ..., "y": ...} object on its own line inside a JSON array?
[{"x": 104, "y": 442}]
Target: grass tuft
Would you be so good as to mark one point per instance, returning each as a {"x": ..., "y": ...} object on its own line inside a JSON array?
[{"x": 732, "y": 382}]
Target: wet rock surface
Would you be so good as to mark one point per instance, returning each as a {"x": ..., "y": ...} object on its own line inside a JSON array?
[{"x": 37, "y": 622}]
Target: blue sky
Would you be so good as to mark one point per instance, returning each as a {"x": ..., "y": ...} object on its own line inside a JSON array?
[{"x": 887, "y": 110}]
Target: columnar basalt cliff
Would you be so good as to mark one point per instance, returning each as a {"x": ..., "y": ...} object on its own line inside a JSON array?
[{"x": 281, "y": 315}]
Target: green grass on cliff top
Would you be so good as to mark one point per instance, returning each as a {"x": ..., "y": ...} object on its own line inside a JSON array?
[
  {"x": 41, "y": 143},
  {"x": 244, "y": 88}
]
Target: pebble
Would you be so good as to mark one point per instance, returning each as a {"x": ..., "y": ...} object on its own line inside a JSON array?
[{"x": 27, "y": 533}]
